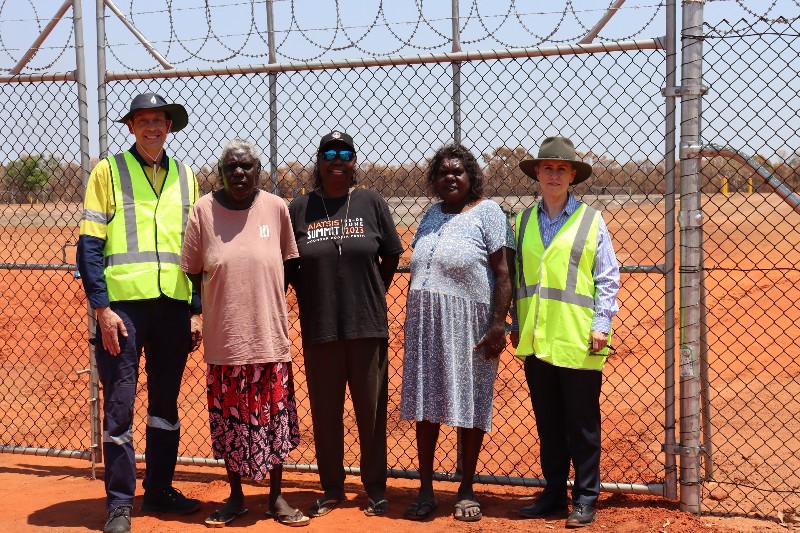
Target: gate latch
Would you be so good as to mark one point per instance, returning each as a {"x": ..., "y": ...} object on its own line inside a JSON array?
[
  {"x": 684, "y": 451},
  {"x": 679, "y": 91}
]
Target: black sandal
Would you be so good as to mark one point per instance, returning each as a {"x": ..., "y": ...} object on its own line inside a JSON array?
[
  {"x": 421, "y": 510},
  {"x": 377, "y": 508}
]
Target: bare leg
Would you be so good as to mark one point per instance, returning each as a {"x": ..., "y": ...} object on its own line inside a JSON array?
[
  {"x": 471, "y": 441},
  {"x": 235, "y": 501},
  {"x": 427, "y": 435},
  {"x": 277, "y": 505},
  {"x": 279, "y": 508}
]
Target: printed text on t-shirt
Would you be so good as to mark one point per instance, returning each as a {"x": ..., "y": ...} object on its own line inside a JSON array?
[{"x": 345, "y": 228}]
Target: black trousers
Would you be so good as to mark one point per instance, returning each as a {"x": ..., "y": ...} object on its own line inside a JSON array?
[
  {"x": 566, "y": 403},
  {"x": 362, "y": 365}
]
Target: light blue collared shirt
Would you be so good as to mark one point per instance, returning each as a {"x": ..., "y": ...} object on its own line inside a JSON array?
[{"x": 605, "y": 267}]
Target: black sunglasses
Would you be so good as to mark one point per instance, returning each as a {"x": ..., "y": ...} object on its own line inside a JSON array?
[{"x": 344, "y": 155}]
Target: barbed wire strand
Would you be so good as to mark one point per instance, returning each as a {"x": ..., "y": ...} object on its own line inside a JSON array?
[{"x": 212, "y": 46}]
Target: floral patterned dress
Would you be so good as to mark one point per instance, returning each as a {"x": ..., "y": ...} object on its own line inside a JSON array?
[{"x": 449, "y": 309}]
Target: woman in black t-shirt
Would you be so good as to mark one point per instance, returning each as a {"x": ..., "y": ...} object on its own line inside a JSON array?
[{"x": 349, "y": 251}]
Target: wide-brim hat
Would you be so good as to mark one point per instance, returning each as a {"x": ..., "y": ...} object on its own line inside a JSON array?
[
  {"x": 177, "y": 113},
  {"x": 335, "y": 136},
  {"x": 562, "y": 149}
]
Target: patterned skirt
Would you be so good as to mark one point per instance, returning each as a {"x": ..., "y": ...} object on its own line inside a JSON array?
[{"x": 253, "y": 416}]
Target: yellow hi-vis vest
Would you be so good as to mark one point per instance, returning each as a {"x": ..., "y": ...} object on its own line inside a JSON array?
[
  {"x": 554, "y": 290},
  {"x": 145, "y": 234}
]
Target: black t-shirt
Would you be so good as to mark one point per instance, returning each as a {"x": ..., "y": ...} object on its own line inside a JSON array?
[{"x": 340, "y": 292}]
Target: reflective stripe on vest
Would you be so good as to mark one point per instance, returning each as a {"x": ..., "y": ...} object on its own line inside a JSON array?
[
  {"x": 143, "y": 250},
  {"x": 555, "y": 321}
]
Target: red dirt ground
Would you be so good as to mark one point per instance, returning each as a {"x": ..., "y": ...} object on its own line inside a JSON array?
[
  {"x": 43, "y": 342},
  {"x": 46, "y": 494}
]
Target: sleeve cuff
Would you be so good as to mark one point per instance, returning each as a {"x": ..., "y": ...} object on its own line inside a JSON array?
[
  {"x": 601, "y": 323},
  {"x": 195, "y": 306}
]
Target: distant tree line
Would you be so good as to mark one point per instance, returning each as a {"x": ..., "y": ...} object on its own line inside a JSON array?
[{"x": 46, "y": 178}]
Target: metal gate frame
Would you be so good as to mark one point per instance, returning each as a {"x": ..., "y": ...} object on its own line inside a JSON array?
[{"x": 78, "y": 76}]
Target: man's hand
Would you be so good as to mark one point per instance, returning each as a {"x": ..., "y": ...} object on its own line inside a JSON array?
[
  {"x": 111, "y": 326},
  {"x": 196, "y": 327}
]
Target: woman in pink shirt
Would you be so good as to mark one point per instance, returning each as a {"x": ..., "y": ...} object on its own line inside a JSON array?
[{"x": 236, "y": 243}]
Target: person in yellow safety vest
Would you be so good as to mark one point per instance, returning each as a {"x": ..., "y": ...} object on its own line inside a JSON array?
[
  {"x": 136, "y": 208},
  {"x": 565, "y": 284}
]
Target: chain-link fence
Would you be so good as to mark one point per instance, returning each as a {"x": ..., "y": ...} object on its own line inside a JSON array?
[
  {"x": 399, "y": 111},
  {"x": 751, "y": 266},
  {"x": 392, "y": 113},
  {"x": 45, "y": 383}
]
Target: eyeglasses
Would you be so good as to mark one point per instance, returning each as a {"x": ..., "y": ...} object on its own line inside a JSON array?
[{"x": 344, "y": 155}]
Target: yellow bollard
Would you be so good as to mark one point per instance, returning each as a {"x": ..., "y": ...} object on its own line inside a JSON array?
[{"x": 725, "y": 185}]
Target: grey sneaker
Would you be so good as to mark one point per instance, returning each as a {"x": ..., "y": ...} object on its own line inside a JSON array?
[
  {"x": 169, "y": 500},
  {"x": 119, "y": 521}
]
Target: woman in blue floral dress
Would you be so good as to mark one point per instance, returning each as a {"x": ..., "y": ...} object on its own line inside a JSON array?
[{"x": 457, "y": 306}]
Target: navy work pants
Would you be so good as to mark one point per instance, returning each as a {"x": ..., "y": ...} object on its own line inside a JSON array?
[
  {"x": 566, "y": 403},
  {"x": 161, "y": 328}
]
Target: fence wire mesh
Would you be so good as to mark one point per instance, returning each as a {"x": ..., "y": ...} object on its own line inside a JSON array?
[
  {"x": 398, "y": 116},
  {"x": 43, "y": 351},
  {"x": 752, "y": 269}
]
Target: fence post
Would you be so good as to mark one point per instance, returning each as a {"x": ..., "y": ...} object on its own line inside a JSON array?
[
  {"x": 80, "y": 75},
  {"x": 102, "y": 121},
  {"x": 102, "y": 106},
  {"x": 83, "y": 127},
  {"x": 670, "y": 469},
  {"x": 273, "y": 101},
  {"x": 691, "y": 261},
  {"x": 456, "y": 76},
  {"x": 457, "y": 139}
]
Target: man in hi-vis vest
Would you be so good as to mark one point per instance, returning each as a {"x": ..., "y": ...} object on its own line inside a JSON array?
[
  {"x": 566, "y": 284},
  {"x": 135, "y": 212}
]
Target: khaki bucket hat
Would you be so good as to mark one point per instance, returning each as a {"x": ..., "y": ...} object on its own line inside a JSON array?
[{"x": 558, "y": 148}]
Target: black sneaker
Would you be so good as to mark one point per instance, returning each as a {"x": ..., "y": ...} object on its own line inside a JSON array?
[
  {"x": 169, "y": 500},
  {"x": 119, "y": 521}
]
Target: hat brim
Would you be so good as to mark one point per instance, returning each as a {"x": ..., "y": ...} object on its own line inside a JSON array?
[
  {"x": 344, "y": 142},
  {"x": 176, "y": 112},
  {"x": 582, "y": 170}
]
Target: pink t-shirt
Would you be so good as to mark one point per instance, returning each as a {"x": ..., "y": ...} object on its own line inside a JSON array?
[{"x": 241, "y": 255}]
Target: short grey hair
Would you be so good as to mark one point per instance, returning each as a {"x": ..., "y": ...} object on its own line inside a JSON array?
[
  {"x": 235, "y": 144},
  {"x": 241, "y": 144}
]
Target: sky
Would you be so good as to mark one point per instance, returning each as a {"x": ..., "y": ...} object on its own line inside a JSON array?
[{"x": 194, "y": 33}]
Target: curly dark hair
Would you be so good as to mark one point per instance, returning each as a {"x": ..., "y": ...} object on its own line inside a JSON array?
[{"x": 473, "y": 170}]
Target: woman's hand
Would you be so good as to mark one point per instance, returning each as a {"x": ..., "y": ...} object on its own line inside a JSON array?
[
  {"x": 493, "y": 343},
  {"x": 196, "y": 328}
]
